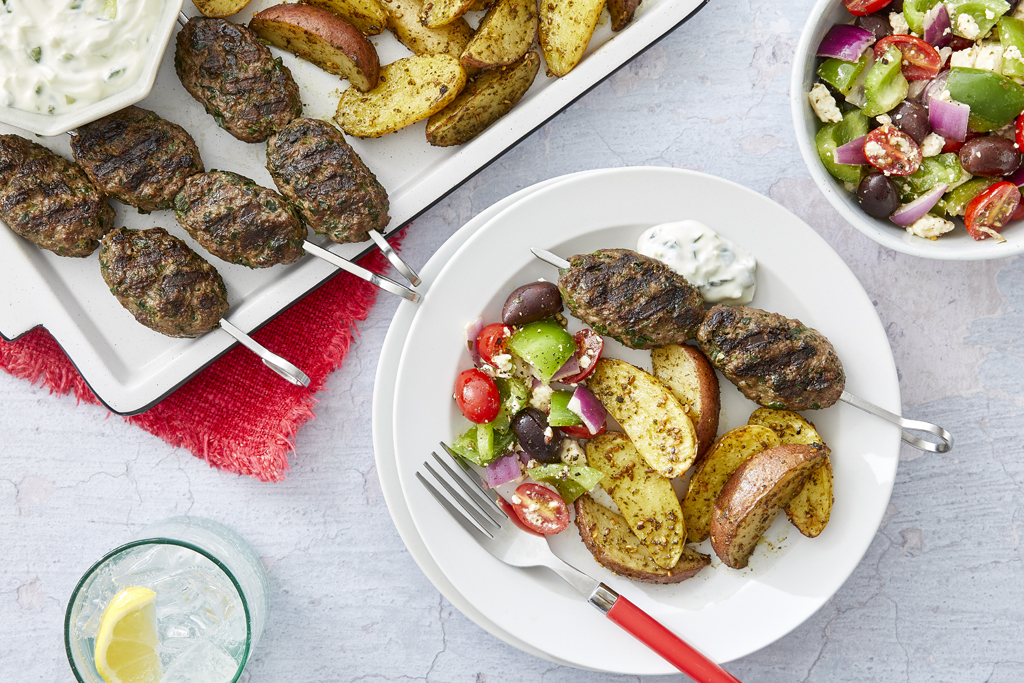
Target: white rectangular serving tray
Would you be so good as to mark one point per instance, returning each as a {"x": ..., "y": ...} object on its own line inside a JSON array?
[{"x": 129, "y": 367}]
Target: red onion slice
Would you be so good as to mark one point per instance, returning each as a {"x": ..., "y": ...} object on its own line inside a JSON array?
[
  {"x": 845, "y": 42},
  {"x": 934, "y": 87},
  {"x": 503, "y": 470},
  {"x": 938, "y": 30},
  {"x": 1017, "y": 178},
  {"x": 589, "y": 408},
  {"x": 908, "y": 214},
  {"x": 570, "y": 368},
  {"x": 851, "y": 153},
  {"x": 949, "y": 119},
  {"x": 470, "y": 334}
]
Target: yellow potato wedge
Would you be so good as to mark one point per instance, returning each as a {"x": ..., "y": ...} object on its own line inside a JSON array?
[
  {"x": 505, "y": 34},
  {"x": 484, "y": 100},
  {"x": 621, "y": 12},
  {"x": 369, "y": 16},
  {"x": 410, "y": 90},
  {"x": 713, "y": 471},
  {"x": 649, "y": 414},
  {"x": 565, "y": 29},
  {"x": 692, "y": 380},
  {"x": 608, "y": 538},
  {"x": 810, "y": 510},
  {"x": 404, "y": 22},
  {"x": 755, "y": 493},
  {"x": 219, "y": 8},
  {"x": 320, "y": 37},
  {"x": 645, "y": 498},
  {"x": 481, "y": 5},
  {"x": 437, "y": 13}
]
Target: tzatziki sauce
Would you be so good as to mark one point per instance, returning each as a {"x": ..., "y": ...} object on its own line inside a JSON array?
[
  {"x": 59, "y": 55},
  {"x": 722, "y": 271}
]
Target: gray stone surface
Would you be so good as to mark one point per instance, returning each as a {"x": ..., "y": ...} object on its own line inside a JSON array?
[{"x": 938, "y": 597}]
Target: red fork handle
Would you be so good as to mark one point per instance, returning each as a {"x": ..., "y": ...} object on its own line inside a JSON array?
[{"x": 667, "y": 644}]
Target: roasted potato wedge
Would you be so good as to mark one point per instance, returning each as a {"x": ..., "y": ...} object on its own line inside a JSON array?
[
  {"x": 404, "y": 22},
  {"x": 608, "y": 538},
  {"x": 369, "y": 16},
  {"x": 645, "y": 498},
  {"x": 755, "y": 493},
  {"x": 219, "y": 8},
  {"x": 809, "y": 511},
  {"x": 713, "y": 471},
  {"x": 566, "y": 27},
  {"x": 481, "y": 5},
  {"x": 505, "y": 34},
  {"x": 320, "y": 37},
  {"x": 621, "y": 12},
  {"x": 484, "y": 100},
  {"x": 437, "y": 13},
  {"x": 410, "y": 90},
  {"x": 692, "y": 380},
  {"x": 649, "y": 414}
]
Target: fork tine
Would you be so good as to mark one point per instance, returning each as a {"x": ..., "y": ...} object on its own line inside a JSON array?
[
  {"x": 475, "y": 491},
  {"x": 468, "y": 509},
  {"x": 453, "y": 511}
]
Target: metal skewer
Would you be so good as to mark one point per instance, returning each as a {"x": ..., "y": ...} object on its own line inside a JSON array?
[
  {"x": 942, "y": 446},
  {"x": 384, "y": 283},
  {"x": 396, "y": 260},
  {"x": 271, "y": 360}
]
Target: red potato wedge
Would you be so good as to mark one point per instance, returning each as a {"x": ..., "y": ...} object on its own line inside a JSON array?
[
  {"x": 566, "y": 27},
  {"x": 810, "y": 510},
  {"x": 621, "y": 12},
  {"x": 369, "y": 16},
  {"x": 218, "y": 9},
  {"x": 755, "y": 494},
  {"x": 505, "y": 34},
  {"x": 608, "y": 538},
  {"x": 437, "y": 13},
  {"x": 323, "y": 38},
  {"x": 691, "y": 379}
]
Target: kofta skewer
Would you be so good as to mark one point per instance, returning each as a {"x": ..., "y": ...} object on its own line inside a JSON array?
[{"x": 719, "y": 358}]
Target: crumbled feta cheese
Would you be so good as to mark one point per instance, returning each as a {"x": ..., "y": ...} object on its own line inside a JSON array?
[
  {"x": 516, "y": 500},
  {"x": 850, "y": 187},
  {"x": 548, "y": 435},
  {"x": 540, "y": 398},
  {"x": 944, "y": 54},
  {"x": 884, "y": 119},
  {"x": 932, "y": 145},
  {"x": 571, "y": 453},
  {"x": 989, "y": 57},
  {"x": 1007, "y": 132},
  {"x": 1018, "y": 12},
  {"x": 963, "y": 58},
  {"x": 873, "y": 149},
  {"x": 522, "y": 370},
  {"x": 824, "y": 105},
  {"x": 990, "y": 15},
  {"x": 503, "y": 361},
  {"x": 944, "y": 96},
  {"x": 1013, "y": 52},
  {"x": 899, "y": 23},
  {"x": 967, "y": 27},
  {"x": 930, "y": 227}
]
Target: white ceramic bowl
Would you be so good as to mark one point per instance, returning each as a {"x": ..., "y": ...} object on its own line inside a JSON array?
[
  {"x": 42, "y": 124},
  {"x": 954, "y": 246}
]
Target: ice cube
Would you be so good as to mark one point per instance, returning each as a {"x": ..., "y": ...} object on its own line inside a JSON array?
[{"x": 204, "y": 662}]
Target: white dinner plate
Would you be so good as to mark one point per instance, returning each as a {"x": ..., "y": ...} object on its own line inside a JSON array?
[{"x": 725, "y": 613}]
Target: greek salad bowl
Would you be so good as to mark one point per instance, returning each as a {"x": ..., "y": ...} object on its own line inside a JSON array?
[
  {"x": 57, "y": 124},
  {"x": 954, "y": 245}
]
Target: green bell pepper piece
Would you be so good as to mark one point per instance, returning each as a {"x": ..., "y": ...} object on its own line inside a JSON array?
[
  {"x": 468, "y": 445},
  {"x": 885, "y": 86},
  {"x": 944, "y": 168},
  {"x": 842, "y": 75},
  {"x": 514, "y": 397},
  {"x": 956, "y": 200},
  {"x": 914, "y": 11},
  {"x": 560, "y": 415},
  {"x": 545, "y": 345},
  {"x": 985, "y": 13},
  {"x": 1011, "y": 34},
  {"x": 571, "y": 481},
  {"x": 994, "y": 100},
  {"x": 832, "y": 135}
]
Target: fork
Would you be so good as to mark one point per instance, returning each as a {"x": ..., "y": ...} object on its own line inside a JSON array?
[{"x": 483, "y": 513}]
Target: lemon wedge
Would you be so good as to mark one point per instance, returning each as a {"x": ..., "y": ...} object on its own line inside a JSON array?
[{"x": 127, "y": 640}]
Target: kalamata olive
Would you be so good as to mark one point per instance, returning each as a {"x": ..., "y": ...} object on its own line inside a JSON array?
[
  {"x": 875, "y": 23},
  {"x": 894, "y": 6},
  {"x": 540, "y": 441},
  {"x": 912, "y": 119},
  {"x": 877, "y": 196},
  {"x": 530, "y": 303},
  {"x": 990, "y": 156}
]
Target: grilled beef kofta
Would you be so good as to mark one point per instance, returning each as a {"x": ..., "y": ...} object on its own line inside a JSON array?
[
  {"x": 777, "y": 362},
  {"x": 325, "y": 179},
  {"x": 636, "y": 300},
  {"x": 49, "y": 200},
  {"x": 137, "y": 158},
  {"x": 167, "y": 287},
  {"x": 233, "y": 75},
  {"x": 235, "y": 219}
]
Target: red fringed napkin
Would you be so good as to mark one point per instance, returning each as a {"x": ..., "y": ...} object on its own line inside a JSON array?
[{"x": 250, "y": 415}]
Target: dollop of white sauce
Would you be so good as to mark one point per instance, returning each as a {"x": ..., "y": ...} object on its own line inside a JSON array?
[
  {"x": 722, "y": 271},
  {"x": 59, "y": 55}
]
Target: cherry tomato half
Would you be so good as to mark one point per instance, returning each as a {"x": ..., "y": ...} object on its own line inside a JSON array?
[
  {"x": 955, "y": 145},
  {"x": 921, "y": 61},
  {"x": 514, "y": 516},
  {"x": 861, "y": 7},
  {"x": 581, "y": 431},
  {"x": 589, "y": 346},
  {"x": 492, "y": 342},
  {"x": 477, "y": 396},
  {"x": 1018, "y": 132},
  {"x": 991, "y": 210},
  {"x": 540, "y": 508},
  {"x": 892, "y": 151}
]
